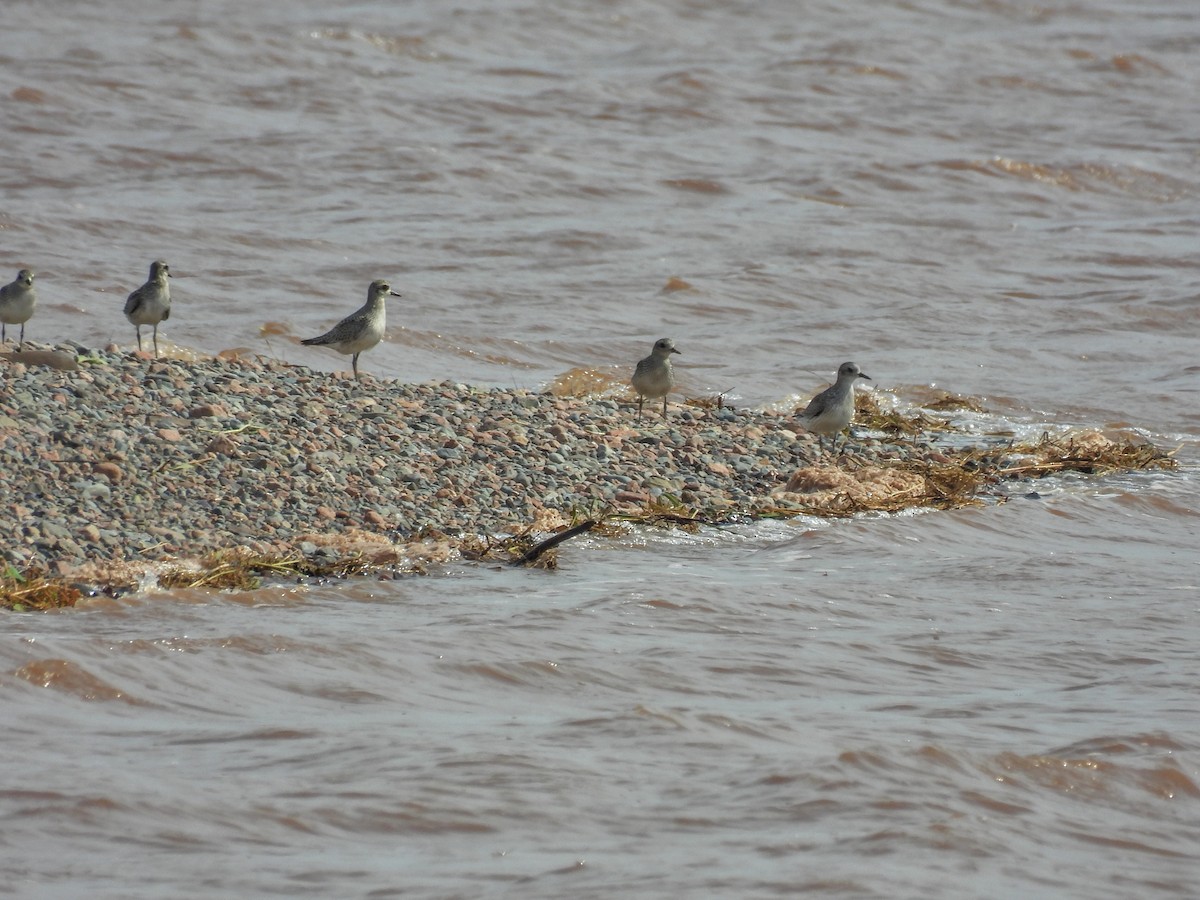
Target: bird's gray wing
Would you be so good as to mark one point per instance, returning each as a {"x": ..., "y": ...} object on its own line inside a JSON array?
[
  {"x": 134, "y": 302},
  {"x": 343, "y": 330},
  {"x": 816, "y": 405}
]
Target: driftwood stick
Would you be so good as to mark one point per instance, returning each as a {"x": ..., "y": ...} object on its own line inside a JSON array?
[{"x": 538, "y": 549}]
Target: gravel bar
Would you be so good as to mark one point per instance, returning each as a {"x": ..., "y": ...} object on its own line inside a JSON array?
[{"x": 115, "y": 457}]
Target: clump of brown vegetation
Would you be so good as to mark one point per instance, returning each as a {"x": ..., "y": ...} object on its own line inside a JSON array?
[
  {"x": 833, "y": 491},
  {"x": 946, "y": 402},
  {"x": 346, "y": 554},
  {"x": 1088, "y": 452},
  {"x": 717, "y": 401},
  {"x": 231, "y": 570},
  {"x": 35, "y": 589},
  {"x": 869, "y": 413},
  {"x": 340, "y": 555},
  {"x": 953, "y": 479}
]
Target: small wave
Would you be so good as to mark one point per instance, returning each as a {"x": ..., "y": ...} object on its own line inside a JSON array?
[
  {"x": 1083, "y": 177},
  {"x": 71, "y": 678}
]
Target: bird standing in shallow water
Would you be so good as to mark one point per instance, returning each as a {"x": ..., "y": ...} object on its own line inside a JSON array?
[
  {"x": 361, "y": 330},
  {"x": 17, "y": 301},
  {"x": 151, "y": 303},
  {"x": 830, "y": 411},
  {"x": 654, "y": 376}
]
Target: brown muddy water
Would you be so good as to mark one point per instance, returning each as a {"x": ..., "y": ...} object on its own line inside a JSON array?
[{"x": 996, "y": 199}]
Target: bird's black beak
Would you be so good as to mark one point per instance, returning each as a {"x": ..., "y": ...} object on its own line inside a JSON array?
[{"x": 394, "y": 294}]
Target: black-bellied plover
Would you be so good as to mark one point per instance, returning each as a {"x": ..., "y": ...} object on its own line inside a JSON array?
[
  {"x": 831, "y": 410},
  {"x": 362, "y": 330},
  {"x": 151, "y": 303},
  {"x": 654, "y": 376},
  {"x": 17, "y": 301}
]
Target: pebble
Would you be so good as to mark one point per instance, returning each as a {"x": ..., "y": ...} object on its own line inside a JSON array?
[
  {"x": 109, "y": 470},
  {"x": 96, "y": 490}
]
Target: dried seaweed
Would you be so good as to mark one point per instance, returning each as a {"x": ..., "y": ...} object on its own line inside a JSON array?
[
  {"x": 947, "y": 401},
  {"x": 242, "y": 570},
  {"x": 869, "y": 414},
  {"x": 1089, "y": 453},
  {"x": 35, "y": 589},
  {"x": 717, "y": 401}
]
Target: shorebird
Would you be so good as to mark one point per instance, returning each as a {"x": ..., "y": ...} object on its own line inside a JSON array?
[
  {"x": 830, "y": 411},
  {"x": 654, "y": 376},
  {"x": 151, "y": 303},
  {"x": 362, "y": 330},
  {"x": 17, "y": 301}
]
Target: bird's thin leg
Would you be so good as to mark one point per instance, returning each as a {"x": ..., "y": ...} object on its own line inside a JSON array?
[
  {"x": 21, "y": 346},
  {"x": 139, "y": 334},
  {"x": 641, "y": 400},
  {"x": 664, "y": 406},
  {"x": 354, "y": 365},
  {"x": 156, "y": 342}
]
